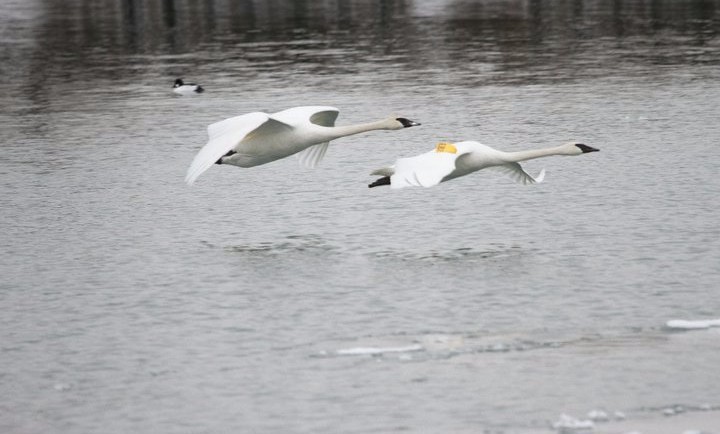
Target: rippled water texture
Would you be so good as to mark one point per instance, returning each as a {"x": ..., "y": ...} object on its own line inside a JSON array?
[{"x": 281, "y": 299}]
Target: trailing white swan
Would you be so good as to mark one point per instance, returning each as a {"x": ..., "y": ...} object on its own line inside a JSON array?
[
  {"x": 258, "y": 138},
  {"x": 451, "y": 160}
]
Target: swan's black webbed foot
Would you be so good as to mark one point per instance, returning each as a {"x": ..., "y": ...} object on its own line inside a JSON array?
[
  {"x": 385, "y": 180},
  {"x": 229, "y": 153}
]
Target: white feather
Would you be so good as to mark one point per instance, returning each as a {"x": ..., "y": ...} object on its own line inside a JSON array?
[
  {"x": 311, "y": 156},
  {"x": 518, "y": 174}
]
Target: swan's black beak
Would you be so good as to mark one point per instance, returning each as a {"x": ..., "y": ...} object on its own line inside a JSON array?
[
  {"x": 586, "y": 148},
  {"x": 407, "y": 122}
]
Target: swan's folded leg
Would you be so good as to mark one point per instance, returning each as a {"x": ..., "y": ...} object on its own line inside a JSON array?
[{"x": 385, "y": 180}]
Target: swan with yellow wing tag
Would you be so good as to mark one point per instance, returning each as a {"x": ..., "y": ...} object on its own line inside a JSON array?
[{"x": 451, "y": 160}]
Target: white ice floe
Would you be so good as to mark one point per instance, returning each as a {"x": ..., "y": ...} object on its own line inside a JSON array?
[
  {"x": 364, "y": 351},
  {"x": 439, "y": 342},
  {"x": 598, "y": 416},
  {"x": 619, "y": 415},
  {"x": 668, "y": 412},
  {"x": 570, "y": 425},
  {"x": 693, "y": 324}
]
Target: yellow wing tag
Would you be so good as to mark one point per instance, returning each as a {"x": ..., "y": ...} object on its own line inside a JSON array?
[{"x": 446, "y": 147}]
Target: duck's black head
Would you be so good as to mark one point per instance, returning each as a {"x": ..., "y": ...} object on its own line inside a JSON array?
[
  {"x": 585, "y": 149},
  {"x": 406, "y": 123},
  {"x": 178, "y": 82}
]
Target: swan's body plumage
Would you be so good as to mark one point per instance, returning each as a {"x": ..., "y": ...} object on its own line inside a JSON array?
[
  {"x": 452, "y": 160},
  {"x": 258, "y": 138}
]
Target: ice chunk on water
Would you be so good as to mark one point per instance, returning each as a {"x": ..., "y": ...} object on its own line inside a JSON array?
[
  {"x": 598, "y": 416},
  {"x": 570, "y": 425},
  {"x": 360, "y": 351},
  {"x": 693, "y": 324}
]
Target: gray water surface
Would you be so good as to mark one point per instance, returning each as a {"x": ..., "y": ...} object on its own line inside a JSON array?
[{"x": 281, "y": 299}]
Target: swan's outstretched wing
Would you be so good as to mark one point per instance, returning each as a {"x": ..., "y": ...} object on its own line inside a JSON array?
[
  {"x": 320, "y": 115},
  {"x": 235, "y": 123},
  {"x": 311, "y": 156},
  {"x": 224, "y": 136},
  {"x": 517, "y": 174},
  {"x": 324, "y": 116},
  {"x": 424, "y": 170}
]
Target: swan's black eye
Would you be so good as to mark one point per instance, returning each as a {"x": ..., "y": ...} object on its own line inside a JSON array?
[
  {"x": 407, "y": 122},
  {"x": 586, "y": 148}
]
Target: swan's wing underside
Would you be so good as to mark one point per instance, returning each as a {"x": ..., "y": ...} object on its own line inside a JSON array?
[
  {"x": 310, "y": 157},
  {"x": 424, "y": 170},
  {"x": 224, "y": 136},
  {"x": 518, "y": 174},
  {"x": 325, "y": 117},
  {"x": 321, "y": 115},
  {"x": 269, "y": 128}
]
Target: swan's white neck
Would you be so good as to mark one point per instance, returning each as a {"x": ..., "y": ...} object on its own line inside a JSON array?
[
  {"x": 536, "y": 153},
  {"x": 349, "y": 130}
]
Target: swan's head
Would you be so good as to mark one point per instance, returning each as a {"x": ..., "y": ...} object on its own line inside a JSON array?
[
  {"x": 406, "y": 123},
  {"x": 574, "y": 148},
  {"x": 399, "y": 123},
  {"x": 178, "y": 82}
]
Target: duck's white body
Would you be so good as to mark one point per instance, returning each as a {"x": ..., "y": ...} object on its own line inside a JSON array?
[
  {"x": 452, "y": 160},
  {"x": 259, "y": 138},
  {"x": 187, "y": 88}
]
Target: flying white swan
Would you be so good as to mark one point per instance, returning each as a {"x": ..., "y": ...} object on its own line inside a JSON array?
[
  {"x": 451, "y": 160},
  {"x": 258, "y": 138}
]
